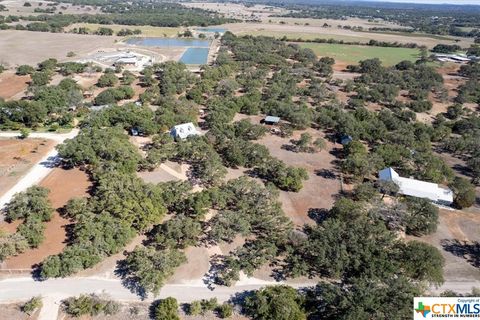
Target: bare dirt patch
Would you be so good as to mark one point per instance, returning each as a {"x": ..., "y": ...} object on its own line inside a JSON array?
[
  {"x": 63, "y": 185},
  {"x": 319, "y": 190},
  {"x": 17, "y": 157},
  {"x": 12, "y": 85},
  {"x": 193, "y": 270},
  {"x": 168, "y": 171},
  {"x": 87, "y": 80}
]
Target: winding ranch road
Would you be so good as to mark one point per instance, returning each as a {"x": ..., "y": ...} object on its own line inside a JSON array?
[{"x": 42, "y": 168}]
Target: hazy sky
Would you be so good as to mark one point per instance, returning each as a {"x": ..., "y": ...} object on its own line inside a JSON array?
[{"x": 435, "y": 1}]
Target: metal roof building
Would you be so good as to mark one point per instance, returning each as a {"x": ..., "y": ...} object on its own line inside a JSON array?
[
  {"x": 271, "y": 120},
  {"x": 183, "y": 130},
  {"x": 417, "y": 188}
]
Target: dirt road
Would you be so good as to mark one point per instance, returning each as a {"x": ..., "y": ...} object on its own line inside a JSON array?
[
  {"x": 39, "y": 170},
  {"x": 16, "y": 289}
]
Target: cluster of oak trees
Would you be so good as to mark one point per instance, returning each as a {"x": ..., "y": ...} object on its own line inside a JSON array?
[
  {"x": 47, "y": 105},
  {"x": 33, "y": 208}
]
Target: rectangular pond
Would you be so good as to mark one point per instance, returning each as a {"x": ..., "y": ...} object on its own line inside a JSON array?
[
  {"x": 168, "y": 42},
  {"x": 195, "y": 56}
]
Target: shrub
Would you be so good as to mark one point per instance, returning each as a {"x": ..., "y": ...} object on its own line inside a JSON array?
[
  {"x": 24, "y": 133},
  {"x": 89, "y": 305},
  {"x": 194, "y": 308},
  {"x": 167, "y": 309},
  {"x": 31, "y": 305},
  {"x": 209, "y": 305},
  {"x": 225, "y": 310},
  {"x": 108, "y": 79},
  {"x": 25, "y": 69}
]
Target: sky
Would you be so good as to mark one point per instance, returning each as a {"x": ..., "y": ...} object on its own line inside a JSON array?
[{"x": 477, "y": 2}]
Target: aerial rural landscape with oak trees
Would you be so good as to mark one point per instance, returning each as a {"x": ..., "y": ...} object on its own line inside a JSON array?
[{"x": 251, "y": 159}]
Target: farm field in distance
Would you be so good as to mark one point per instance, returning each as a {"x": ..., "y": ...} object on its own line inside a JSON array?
[
  {"x": 296, "y": 28},
  {"x": 147, "y": 31},
  {"x": 26, "y": 47},
  {"x": 353, "y": 54}
]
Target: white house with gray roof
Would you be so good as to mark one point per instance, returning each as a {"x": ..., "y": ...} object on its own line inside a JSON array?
[{"x": 184, "y": 130}]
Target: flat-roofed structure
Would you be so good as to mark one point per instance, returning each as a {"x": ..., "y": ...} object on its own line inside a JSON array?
[{"x": 271, "y": 120}]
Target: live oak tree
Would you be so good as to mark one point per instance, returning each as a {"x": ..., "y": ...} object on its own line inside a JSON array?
[
  {"x": 32, "y": 202},
  {"x": 34, "y": 208},
  {"x": 421, "y": 216},
  {"x": 275, "y": 303},
  {"x": 150, "y": 268},
  {"x": 363, "y": 298},
  {"x": 464, "y": 192}
]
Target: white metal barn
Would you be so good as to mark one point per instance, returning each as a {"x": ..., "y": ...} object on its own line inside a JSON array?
[{"x": 417, "y": 188}]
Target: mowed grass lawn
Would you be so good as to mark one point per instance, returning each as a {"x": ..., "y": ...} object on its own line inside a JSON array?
[
  {"x": 147, "y": 31},
  {"x": 353, "y": 54}
]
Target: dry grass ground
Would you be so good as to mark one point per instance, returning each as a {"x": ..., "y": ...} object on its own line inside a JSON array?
[
  {"x": 27, "y": 47},
  {"x": 63, "y": 185},
  {"x": 147, "y": 31},
  {"x": 351, "y": 22},
  {"x": 194, "y": 269},
  {"x": 17, "y": 157},
  {"x": 12, "y": 311},
  {"x": 168, "y": 171}
]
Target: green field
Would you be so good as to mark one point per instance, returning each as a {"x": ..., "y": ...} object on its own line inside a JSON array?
[
  {"x": 147, "y": 31},
  {"x": 303, "y": 35},
  {"x": 353, "y": 54}
]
